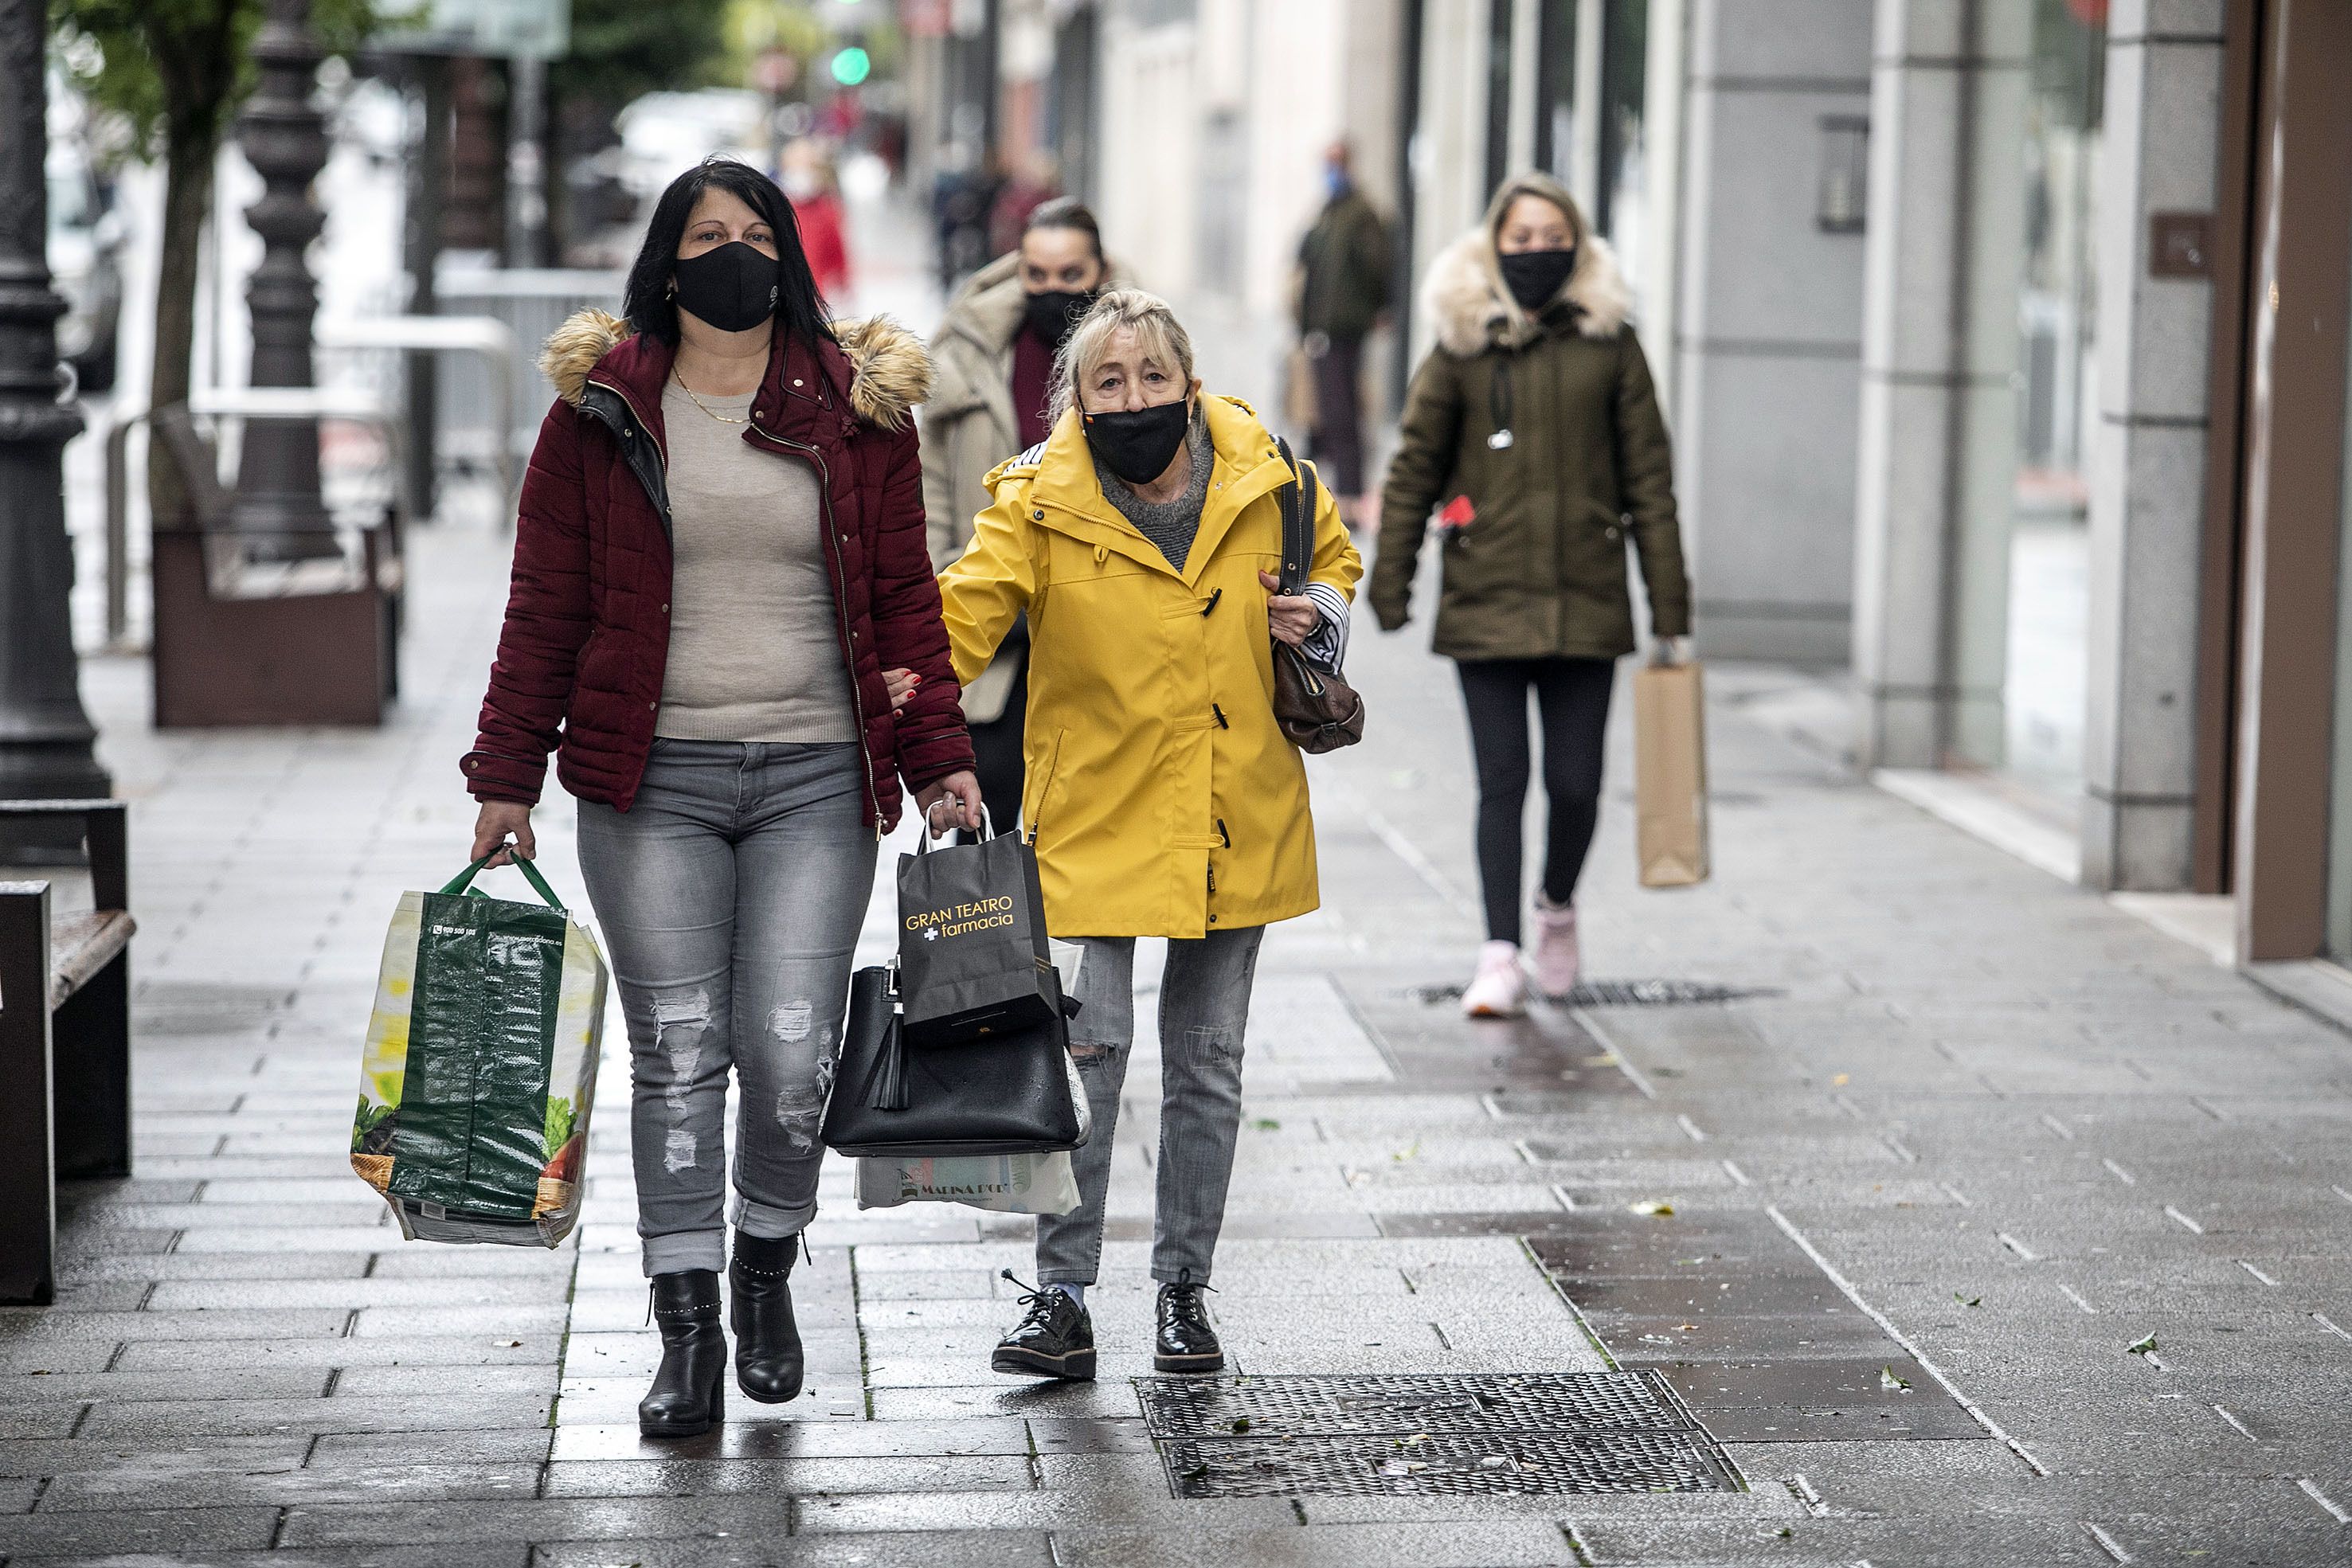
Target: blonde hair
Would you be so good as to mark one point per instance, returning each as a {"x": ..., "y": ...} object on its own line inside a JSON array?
[{"x": 1156, "y": 332}]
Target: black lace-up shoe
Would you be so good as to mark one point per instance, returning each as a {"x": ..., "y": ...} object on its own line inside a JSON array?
[
  {"x": 1056, "y": 1339},
  {"x": 1186, "y": 1342}
]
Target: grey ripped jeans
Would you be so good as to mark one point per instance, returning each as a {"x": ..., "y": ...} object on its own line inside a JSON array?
[
  {"x": 1203, "y": 1007},
  {"x": 730, "y": 895}
]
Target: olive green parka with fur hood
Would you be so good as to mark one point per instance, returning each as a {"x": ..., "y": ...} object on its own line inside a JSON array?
[{"x": 1540, "y": 569}]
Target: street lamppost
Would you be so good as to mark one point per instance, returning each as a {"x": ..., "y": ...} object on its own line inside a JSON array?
[
  {"x": 285, "y": 139},
  {"x": 45, "y": 738}
]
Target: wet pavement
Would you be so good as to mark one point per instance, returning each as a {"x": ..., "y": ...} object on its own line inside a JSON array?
[{"x": 1885, "y": 1224}]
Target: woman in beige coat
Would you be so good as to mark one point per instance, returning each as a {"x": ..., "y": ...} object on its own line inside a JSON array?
[{"x": 992, "y": 358}]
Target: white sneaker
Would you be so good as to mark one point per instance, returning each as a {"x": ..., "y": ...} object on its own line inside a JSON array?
[
  {"x": 1556, "y": 961},
  {"x": 1497, "y": 990}
]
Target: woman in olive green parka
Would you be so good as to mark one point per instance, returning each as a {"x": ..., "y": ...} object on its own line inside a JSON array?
[{"x": 1532, "y": 431}]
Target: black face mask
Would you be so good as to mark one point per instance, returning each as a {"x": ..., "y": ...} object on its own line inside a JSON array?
[
  {"x": 1139, "y": 446},
  {"x": 1050, "y": 315},
  {"x": 733, "y": 286},
  {"x": 1534, "y": 277}
]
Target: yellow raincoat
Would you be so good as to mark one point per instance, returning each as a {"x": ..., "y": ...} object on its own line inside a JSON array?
[{"x": 1165, "y": 798}]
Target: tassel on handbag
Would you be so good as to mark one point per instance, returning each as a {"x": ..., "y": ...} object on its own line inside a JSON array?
[{"x": 888, "y": 1085}]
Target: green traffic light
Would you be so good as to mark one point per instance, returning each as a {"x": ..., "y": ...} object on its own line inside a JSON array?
[{"x": 852, "y": 66}]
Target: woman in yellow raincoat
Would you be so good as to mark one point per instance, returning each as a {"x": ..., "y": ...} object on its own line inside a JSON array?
[{"x": 1141, "y": 537}]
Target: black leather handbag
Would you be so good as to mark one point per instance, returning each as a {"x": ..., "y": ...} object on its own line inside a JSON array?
[{"x": 1012, "y": 1093}]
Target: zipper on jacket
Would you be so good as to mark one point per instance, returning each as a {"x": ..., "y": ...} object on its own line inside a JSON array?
[
  {"x": 660, "y": 459},
  {"x": 1046, "y": 791},
  {"x": 841, "y": 590}
]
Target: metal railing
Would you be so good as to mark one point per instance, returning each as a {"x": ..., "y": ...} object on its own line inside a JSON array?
[
  {"x": 477, "y": 350},
  {"x": 347, "y": 405},
  {"x": 531, "y": 302}
]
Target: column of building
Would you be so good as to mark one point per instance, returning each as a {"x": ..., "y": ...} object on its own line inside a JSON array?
[
  {"x": 2147, "y": 488},
  {"x": 1937, "y": 432}
]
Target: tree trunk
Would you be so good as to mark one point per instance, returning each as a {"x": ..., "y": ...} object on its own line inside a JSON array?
[{"x": 187, "y": 200}]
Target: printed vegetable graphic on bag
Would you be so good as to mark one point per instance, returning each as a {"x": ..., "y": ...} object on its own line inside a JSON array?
[{"x": 480, "y": 1066}]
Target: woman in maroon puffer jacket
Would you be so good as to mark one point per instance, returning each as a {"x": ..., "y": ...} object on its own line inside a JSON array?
[{"x": 720, "y": 550}]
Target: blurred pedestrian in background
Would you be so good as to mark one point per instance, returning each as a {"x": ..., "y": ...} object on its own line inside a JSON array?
[
  {"x": 810, "y": 180},
  {"x": 1164, "y": 799},
  {"x": 1343, "y": 292},
  {"x": 1534, "y": 422},
  {"x": 963, "y": 199},
  {"x": 993, "y": 359},
  {"x": 719, "y": 547},
  {"x": 1037, "y": 181}
]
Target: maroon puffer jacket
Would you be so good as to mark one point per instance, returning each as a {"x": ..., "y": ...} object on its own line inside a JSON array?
[{"x": 587, "y": 629}]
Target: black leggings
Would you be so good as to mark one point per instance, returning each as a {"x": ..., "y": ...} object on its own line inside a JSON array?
[{"x": 1573, "y": 695}]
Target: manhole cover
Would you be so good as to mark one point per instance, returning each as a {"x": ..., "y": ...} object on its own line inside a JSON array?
[{"x": 1429, "y": 1436}]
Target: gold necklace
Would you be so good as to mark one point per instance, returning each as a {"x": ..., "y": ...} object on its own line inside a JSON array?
[{"x": 702, "y": 405}]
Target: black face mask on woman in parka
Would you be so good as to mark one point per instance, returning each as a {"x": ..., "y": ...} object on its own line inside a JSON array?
[
  {"x": 733, "y": 286},
  {"x": 1535, "y": 276},
  {"x": 1051, "y": 314}
]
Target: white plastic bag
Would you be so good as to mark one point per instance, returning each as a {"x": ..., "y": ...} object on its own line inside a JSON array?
[{"x": 1006, "y": 1184}]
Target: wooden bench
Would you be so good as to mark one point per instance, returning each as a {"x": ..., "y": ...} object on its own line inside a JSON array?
[{"x": 65, "y": 1042}]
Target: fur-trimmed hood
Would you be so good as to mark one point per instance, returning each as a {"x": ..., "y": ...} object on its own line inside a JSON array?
[
  {"x": 890, "y": 372},
  {"x": 1470, "y": 309}
]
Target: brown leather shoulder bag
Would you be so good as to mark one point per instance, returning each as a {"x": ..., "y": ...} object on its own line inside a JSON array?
[{"x": 1315, "y": 705}]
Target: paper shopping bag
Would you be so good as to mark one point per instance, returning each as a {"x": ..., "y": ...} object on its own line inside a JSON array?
[
  {"x": 1670, "y": 775},
  {"x": 972, "y": 957},
  {"x": 480, "y": 1065}
]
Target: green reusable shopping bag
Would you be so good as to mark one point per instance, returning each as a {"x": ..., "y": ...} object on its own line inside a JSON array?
[{"x": 480, "y": 1065}]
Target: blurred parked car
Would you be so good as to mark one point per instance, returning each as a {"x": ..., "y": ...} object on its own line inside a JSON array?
[
  {"x": 664, "y": 134},
  {"x": 85, "y": 260}
]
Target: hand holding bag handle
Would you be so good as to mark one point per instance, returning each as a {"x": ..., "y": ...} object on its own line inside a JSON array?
[{"x": 1317, "y": 708}]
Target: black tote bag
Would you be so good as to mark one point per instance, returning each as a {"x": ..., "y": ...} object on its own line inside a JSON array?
[
  {"x": 972, "y": 958},
  {"x": 1010, "y": 1092}
]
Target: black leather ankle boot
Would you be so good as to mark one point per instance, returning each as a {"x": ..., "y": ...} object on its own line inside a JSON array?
[
  {"x": 768, "y": 1361},
  {"x": 689, "y": 1393}
]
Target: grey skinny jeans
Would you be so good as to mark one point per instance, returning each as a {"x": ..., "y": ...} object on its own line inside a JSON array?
[
  {"x": 730, "y": 895},
  {"x": 1204, "y": 1008}
]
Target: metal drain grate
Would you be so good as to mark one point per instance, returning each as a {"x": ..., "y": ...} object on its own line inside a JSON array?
[
  {"x": 1654, "y": 993},
  {"x": 1402, "y": 1405},
  {"x": 1624, "y": 994},
  {"x": 1429, "y": 1436},
  {"x": 1546, "y": 1462}
]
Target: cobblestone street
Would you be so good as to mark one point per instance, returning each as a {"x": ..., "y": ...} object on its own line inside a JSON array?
[{"x": 1980, "y": 1223}]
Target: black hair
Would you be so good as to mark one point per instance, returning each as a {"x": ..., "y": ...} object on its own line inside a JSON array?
[
  {"x": 646, "y": 299},
  {"x": 1068, "y": 212}
]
